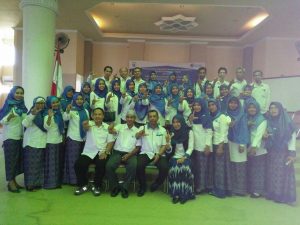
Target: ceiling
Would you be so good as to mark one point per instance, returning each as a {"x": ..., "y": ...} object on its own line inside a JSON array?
[{"x": 219, "y": 22}]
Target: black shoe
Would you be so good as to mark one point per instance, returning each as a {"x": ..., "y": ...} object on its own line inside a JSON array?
[
  {"x": 175, "y": 200},
  {"x": 13, "y": 190},
  {"x": 115, "y": 192},
  {"x": 30, "y": 189},
  {"x": 141, "y": 192},
  {"x": 183, "y": 200},
  {"x": 124, "y": 193},
  {"x": 154, "y": 187},
  {"x": 96, "y": 191},
  {"x": 81, "y": 190}
]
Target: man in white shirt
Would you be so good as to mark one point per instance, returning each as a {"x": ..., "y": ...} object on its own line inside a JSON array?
[
  {"x": 96, "y": 150},
  {"x": 137, "y": 78},
  {"x": 124, "y": 152},
  {"x": 123, "y": 78},
  {"x": 201, "y": 82},
  {"x": 106, "y": 77},
  {"x": 238, "y": 85},
  {"x": 261, "y": 91},
  {"x": 222, "y": 72},
  {"x": 152, "y": 140}
]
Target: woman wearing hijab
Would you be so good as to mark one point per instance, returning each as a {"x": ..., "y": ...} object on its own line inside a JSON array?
[
  {"x": 189, "y": 95},
  {"x": 34, "y": 144},
  {"x": 256, "y": 150},
  {"x": 113, "y": 101},
  {"x": 86, "y": 92},
  {"x": 176, "y": 104},
  {"x": 202, "y": 164},
  {"x": 98, "y": 96},
  {"x": 66, "y": 97},
  {"x": 180, "y": 174},
  {"x": 11, "y": 116},
  {"x": 239, "y": 138},
  {"x": 208, "y": 91},
  {"x": 152, "y": 82},
  {"x": 75, "y": 114},
  {"x": 224, "y": 97},
  {"x": 54, "y": 124},
  {"x": 158, "y": 102},
  {"x": 169, "y": 83},
  {"x": 141, "y": 105},
  {"x": 222, "y": 178},
  {"x": 127, "y": 99},
  {"x": 281, "y": 147}
]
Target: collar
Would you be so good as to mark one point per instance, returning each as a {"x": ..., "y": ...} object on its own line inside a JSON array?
[{"x": 149, "y": 127}]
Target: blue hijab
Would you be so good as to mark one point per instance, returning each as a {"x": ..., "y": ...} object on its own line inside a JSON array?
[
  {"x": 117, "y": 93},
  {"x": 57, "y": 113},
  {"x": 175, "y": 98},
  {"x": 39, "y": 117},
  {"x": 216, "y": 114},
  {"x": 140, "y": 109},
  {"x": 83, "y": 116},
  {"x": 239, "y": 133},
  {"x": 281, "y": 129},
  {"x": 98, "y": 92},
  {"x": 86, "y": 96},
  {"x": 202, "y": 116},
  {"x": 158, "y": 100},
  {"x": 151, "y": 83},
  {"x": 257, "y": 119},
  {"x": 65, "y": 100},
  {"x": 191, "y": 100},
  {"x": 211, "y": 96},
  {"x": 10, "y": 102},
  {"x": 129, "y": 92}
]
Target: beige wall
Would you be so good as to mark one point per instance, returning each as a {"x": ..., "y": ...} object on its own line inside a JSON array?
[{"x": 276, "y": 57}]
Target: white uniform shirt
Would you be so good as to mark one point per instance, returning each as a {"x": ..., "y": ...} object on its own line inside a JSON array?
[
  {"x": 197, "y": 89},
  {"x": 179, "y": 149},
  {"x": 202, "y": 137},
  {"x": 112, "y": 106},
  {"x": 97, "y": 139},
  {"x": 127, "y": 104},
  {"x": 123, "y": 83},
  {"x": 152, "y": 141},
  {"x": 33, "y": 136},
  {"x": 99, "y": 101},
  {"x": 261, "y": 93},
  {"x": 74, "y": 124},
  {"x": 257, "y": 138},
  {"x": 220, "y": 131},
  {"x": 217, "y": 87},
  {"x": 125, "y": 138},
  {"x": 53, "y": 134},
  {"x": 237, "y": 87},
  {"x": 13, "y": 129},
  {"x": 137, "y": 84}
]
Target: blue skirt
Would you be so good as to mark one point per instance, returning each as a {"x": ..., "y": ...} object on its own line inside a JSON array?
[
  {"x": 52, "y": 171},
  {"x": 181, "y": 179},
  {"x": 72, "y": 152},
  {"x": 239, "y": 177},
  {"x": 34, "y": 166},
  {"x": 13, "y": 154},
  {"x": 257, "y": 174}
]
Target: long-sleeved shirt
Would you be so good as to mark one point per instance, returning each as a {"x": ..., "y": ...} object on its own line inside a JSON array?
[
  {"x": 237, "y": 87},
  {"x": 179, "y": 149},
  {"x": 33, "y": 136},
  {"x": 262, "y": 94},
  {"x": 202, "y": 137},
  {"x": 53, "y": 134},
  {"x": 220, "y": 131},
  {"x": 13, "y": 128},
  {"x": 99, "y": 101},
  {"x": 217, "y": 87},
  {"x": 257, "y": 138}
]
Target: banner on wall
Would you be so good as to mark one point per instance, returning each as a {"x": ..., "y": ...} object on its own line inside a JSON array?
[{"x": 163, "y": 70}]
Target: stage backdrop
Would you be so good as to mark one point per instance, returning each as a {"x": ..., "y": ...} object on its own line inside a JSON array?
[{"x": 163, "y": 70}]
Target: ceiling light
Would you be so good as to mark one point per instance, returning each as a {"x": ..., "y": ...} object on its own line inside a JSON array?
[
  {"x": 98, "y": 21},
  {"x": 176, "y": 23},
  {"x": 256, "y": 20}
]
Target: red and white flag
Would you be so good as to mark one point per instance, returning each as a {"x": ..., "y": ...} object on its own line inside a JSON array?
[{"x": 56, "y": 88}]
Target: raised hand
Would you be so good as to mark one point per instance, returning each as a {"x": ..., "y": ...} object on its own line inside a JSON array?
[
  {"x": 94, "y": 100},
  {"x": 69, "y": 107},
  {"x": 86, "y": 125},
  {"x": 50, "y": 113},
  {"x": 11, "y": 116},
  {"x": 181, "y": 99}
]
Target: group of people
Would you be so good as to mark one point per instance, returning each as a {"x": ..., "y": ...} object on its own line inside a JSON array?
[{"x": 218, "y": 137}]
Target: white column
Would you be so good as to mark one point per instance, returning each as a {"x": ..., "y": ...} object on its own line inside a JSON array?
[{"x": 39, "y": 21}]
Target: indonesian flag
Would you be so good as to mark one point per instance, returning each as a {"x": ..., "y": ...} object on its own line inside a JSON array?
[{"x": 57, "y": 87}]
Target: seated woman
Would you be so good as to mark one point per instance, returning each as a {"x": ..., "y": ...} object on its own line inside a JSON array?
[
  {"x": 181, "y": 178},
  {"x": 281, "y": 147}
]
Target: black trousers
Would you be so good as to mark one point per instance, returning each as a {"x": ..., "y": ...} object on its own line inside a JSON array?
[
  {"x": 82, "y": 166},
  {"x": 162, "y": 165},
  {"x": 113, "y": 163}
]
